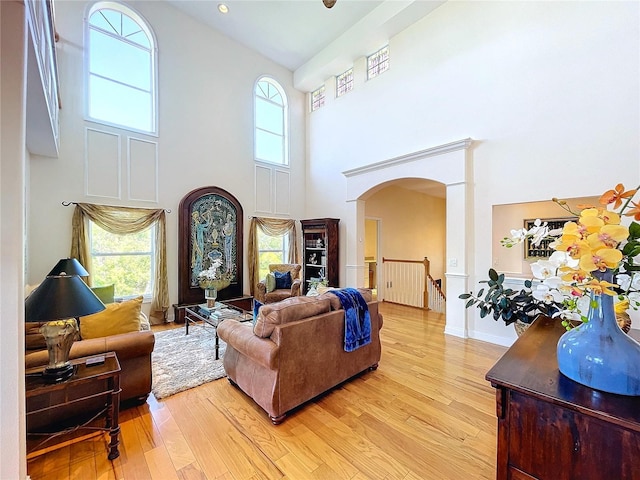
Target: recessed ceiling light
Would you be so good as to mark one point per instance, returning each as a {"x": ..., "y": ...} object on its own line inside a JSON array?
[{"x": 222, "y": 8}]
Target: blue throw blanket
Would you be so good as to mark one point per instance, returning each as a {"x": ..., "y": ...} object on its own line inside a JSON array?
[{"x": 357, "y": 322}]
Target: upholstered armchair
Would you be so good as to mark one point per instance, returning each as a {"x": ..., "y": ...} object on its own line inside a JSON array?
[{"x": 267, "y": 290}]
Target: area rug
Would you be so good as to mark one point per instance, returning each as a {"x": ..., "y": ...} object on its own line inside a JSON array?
[{"x": 180, "y": 362}]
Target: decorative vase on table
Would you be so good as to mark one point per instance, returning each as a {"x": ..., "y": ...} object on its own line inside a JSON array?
[
  {"x": 210, "y": 294},
  {"x": 598, "y": 353}
]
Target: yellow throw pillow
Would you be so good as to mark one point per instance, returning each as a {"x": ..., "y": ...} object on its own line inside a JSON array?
[{"x": 115, "y": 319}]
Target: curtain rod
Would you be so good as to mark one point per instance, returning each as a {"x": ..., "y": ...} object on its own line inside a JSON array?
[{"x": 66, "y": 204}]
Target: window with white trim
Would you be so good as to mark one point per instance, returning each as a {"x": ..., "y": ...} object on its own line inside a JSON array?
[
  {"x": 271, "y": 128},
  {"x": 271, "y": 250},
  {"x": 317, "y": 98},
  {"x": 378, "y": 63},
  {"x": 126, "y": 261},
  {"x": 344, "y": 82},
  {"x": 120, "y": 68}
]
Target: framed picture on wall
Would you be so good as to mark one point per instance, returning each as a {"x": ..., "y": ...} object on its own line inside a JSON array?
[{"x": 542, "y": 250}]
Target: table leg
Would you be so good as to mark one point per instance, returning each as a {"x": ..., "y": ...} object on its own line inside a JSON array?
[
  {"x": 114, "y": 430},
  {"x": 217, "y": 344}
]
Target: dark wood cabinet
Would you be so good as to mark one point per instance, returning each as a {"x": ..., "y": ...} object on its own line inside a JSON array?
[
  {"x": 320, "y": 252},
  {"x": 552, "y": 428}
]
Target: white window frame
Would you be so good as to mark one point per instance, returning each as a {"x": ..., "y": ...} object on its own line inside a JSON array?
[
  {"x": 376, "y": 66},
  {"x": 144, "y": 26},
  {"x": 317, "y": 98},
  {"x": 152, "y": 254},
  {"x": 284, "y": 250},
  {"x": 285, "y": 121},
  {"x": 344, "y": 83}
]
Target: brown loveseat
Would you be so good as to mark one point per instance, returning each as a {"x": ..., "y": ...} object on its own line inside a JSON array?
[{"x": 297, "y": 351}]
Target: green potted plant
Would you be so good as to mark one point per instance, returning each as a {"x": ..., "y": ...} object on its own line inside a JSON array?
[{"x": 519, "y": 307}]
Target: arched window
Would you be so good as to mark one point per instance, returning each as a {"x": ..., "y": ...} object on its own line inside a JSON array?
[
  {"x": 271, "y": 129},
  {"x": 121, "y": 68}
]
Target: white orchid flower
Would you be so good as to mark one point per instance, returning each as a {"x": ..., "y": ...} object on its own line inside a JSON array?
[
  {"x": 563, "y": 259},
  {"x": 543, "y": 269},
  {"x": 624, "y": 280},
  {"x": 554, "y": 282},
  {"x": 567, "y": 315},
  {"x": 538, "y": 234},
  {"x": 518, "y": 236},
  {"x": 547, "y": 295}
]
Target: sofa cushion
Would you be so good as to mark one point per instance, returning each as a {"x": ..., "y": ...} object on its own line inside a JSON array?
[
  {"x": 283, "y": 280},
  {"x": 115, "y": 319},
  {"x": 289, "y": 310},
  {"x": 105, "y": 293},
  {"x": 270, "y": 282}
]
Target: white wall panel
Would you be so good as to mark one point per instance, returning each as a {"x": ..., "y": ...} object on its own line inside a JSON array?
[
  {"x": 142, "y": 162},
  {"x": 102, "y": 164},
  {"x": 263, "y": 189},
  {"x": 282, "y": 192}
]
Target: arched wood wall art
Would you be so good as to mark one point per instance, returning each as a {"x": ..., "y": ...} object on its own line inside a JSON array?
[{"x": 210, "y": 227}]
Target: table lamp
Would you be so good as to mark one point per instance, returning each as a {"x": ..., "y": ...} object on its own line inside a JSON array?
[
  {"x": 60, "y": 300},
  {"x": 69, "y": 266}
]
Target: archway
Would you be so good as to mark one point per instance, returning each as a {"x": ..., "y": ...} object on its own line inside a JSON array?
[{"x": 449, "y": 164}]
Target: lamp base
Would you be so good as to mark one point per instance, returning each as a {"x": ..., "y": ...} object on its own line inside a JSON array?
[{"x": 58, "y": 374}]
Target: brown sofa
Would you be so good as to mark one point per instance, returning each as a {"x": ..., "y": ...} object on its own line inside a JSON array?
[
  {"x": 133, "y": 350},
  {"x": 295, "y": 351}
]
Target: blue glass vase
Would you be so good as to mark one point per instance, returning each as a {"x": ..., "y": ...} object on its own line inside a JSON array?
[{"x": 598, "y": 353}]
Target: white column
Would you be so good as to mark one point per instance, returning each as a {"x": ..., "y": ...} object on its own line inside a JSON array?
[
  {"x": 12, "y": 227},
  {"x": 353, "y": 228},
  {"x": 458, "y": 255}
]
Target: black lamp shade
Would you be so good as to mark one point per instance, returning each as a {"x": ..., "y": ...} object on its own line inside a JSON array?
[
  {"x": 59, "y": 297},
  {"x": 70, "y": 266}
]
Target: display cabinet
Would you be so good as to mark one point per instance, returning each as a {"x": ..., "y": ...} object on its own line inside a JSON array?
[{"x": 320, "y": 253}]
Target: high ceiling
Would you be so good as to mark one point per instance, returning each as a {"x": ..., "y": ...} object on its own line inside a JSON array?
[{"x": 306, "y": 37}]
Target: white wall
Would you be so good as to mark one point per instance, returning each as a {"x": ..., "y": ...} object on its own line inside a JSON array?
[
  {"x": 549, "y": 91},
  {"x": 206, "y": 84},
  {"x": 12, "y": 220}
]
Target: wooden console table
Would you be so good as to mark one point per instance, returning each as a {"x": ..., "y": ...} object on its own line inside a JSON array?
[
  {"x": 87, "y": 382},
  {"x": 552, "y": 428}
]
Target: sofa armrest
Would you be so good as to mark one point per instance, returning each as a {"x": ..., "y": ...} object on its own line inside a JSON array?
[
  {"x": 295, "y": 287},
  {"x": 242, "y": 338},
  {"x": 126, "y": 345}
]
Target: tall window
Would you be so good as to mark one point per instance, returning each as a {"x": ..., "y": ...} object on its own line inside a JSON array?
[
  {"x": 271, "y": 144},
  {"x": 126, "y": 261},
  {"x": 121, "y": 68},
  {"x": 378, "y": 63},
  {"x": 271, "y": 250}
]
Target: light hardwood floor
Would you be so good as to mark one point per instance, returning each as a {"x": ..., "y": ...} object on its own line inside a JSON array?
[{"x": 426, "y": 413}]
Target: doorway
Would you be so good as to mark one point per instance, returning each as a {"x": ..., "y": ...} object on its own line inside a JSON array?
[{"x": 450, "y": 164}]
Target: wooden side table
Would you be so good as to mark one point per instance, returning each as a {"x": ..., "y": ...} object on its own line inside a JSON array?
[
  {"x": 87, "y": 382},
  {"x": 552, "y": 428}
]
